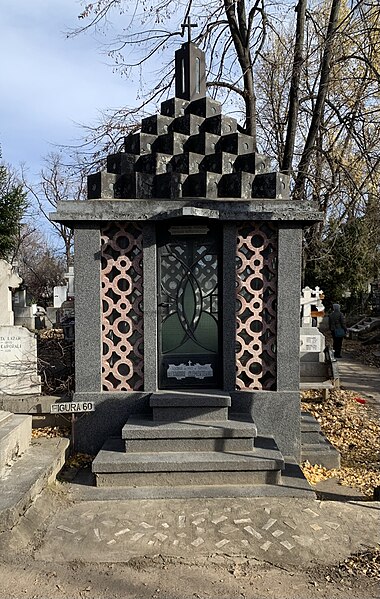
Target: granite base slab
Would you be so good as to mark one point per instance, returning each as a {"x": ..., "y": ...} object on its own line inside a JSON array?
[{"x": 114, "y": 467}]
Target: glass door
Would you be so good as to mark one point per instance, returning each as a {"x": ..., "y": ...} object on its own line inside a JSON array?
[{"x": 188, "y": 305}]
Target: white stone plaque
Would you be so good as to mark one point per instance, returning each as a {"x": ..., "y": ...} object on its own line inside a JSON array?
[
  {"x": 18, "y": 361},
  {"x": 311, "y": 343},
  {"x": 189, "y": 370}
]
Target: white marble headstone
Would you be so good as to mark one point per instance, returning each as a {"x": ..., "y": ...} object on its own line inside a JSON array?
[
  {"x": 18, "y": 362},
  {"x": 69, "y": 276},
  {"x": 311, "y": 342},
  {"x": 59, "y": 295}
]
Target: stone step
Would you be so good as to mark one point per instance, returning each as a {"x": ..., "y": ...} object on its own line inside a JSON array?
[
  {"x": 314, "y": 369},
  {"x": 195, "y": 414},
  {"x": 309, "y": 423},
  {"x": 316, "y": 383},
  {"x": 321, "y": 453},
  {"x": 310, "y": 429},
  {"x": 311, "y": 437},
  {"x": 147, "y": 435},
  {"x": 15, "y": 438},
  {"x": 113, "y": 467},
  {"x": 315, "y": 448},
  {"x": 300, "y": 489},
  {"x": 180, "y": 445},
  {"x": 192, "y": 405},
  {"x": 293, "y": 484}
]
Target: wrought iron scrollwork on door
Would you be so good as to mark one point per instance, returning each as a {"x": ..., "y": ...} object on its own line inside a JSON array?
[{"x": 189, "y": 297}]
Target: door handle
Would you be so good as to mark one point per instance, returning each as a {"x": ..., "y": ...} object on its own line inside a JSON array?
[{"x": 164, "y": 305}]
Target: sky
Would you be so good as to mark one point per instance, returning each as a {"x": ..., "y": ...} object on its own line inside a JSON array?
[{"x": 49, "y": 83}]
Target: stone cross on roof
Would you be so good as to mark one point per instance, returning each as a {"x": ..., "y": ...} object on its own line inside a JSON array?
[
  {"x": 188, "y": 24},
  {"x": 190, "y": 68}
]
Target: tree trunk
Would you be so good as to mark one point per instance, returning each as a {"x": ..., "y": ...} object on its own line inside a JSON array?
[
  {"x": 240, "y": 38},
  {"x": 287, "y": 159},
  {"x": 250, "y": 104},
  {"x": 320, "y": 102}
]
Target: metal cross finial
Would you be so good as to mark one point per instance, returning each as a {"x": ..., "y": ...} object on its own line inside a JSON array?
[{"x": 189, "y": 25}]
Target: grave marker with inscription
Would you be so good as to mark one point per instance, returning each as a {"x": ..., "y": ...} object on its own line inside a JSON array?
[
  {"x": 312, "y": 342},
  {"x": 18, "y": 362}
]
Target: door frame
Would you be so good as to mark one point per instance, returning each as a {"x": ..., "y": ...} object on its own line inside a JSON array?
[{"x": 162, "y": 231}]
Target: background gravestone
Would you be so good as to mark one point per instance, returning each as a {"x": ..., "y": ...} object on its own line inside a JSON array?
[
  {"x": 312, "y": 342},
  {"x": 18, "y": 362},
  {"x": 18, "y": 346}
]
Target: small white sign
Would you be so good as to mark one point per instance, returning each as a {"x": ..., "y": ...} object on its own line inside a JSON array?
[
  {"x": 73, "y": 407},
  {"x": 189, "y": 370}
]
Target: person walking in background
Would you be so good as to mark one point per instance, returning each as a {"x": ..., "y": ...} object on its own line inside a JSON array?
[{"x": 338, "y": 328}]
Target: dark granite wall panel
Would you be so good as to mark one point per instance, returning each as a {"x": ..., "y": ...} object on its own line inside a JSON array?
[
  {"x": 289, "y": 294},
  {"x": 87, "y": 309},
  {"x": 150, "y": 308}
]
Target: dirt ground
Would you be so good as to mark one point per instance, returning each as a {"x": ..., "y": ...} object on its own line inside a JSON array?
[
  {"x": 218, "y": 576},
  {"x": 163, "y": 578}
]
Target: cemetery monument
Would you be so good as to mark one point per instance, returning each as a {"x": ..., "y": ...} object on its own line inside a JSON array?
[{"x": 187, "y": 287}]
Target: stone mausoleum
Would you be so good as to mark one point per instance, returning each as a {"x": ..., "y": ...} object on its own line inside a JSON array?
[{"x": 187, "y": 300}]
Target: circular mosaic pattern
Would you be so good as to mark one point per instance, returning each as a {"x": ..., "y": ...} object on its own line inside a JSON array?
[
  {"x": 256, "y": 292},
  {"x": 122, "y": 294}
]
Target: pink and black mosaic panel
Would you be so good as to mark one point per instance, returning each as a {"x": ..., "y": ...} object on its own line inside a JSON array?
[
  {"x": 256, "y": 290},
  {"x": 122, "y": 316}
]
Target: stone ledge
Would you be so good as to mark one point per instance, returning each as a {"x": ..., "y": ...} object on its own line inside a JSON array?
[
  {"x": 235, "y": 478},
  {"x": 28, "y": 477},
  {"x": 29, "y": 404},
  {"x": 4, "y": 416},
  {"x": 227, "y": 209},
  {"x": 145, "y": 428},
  {"x": 112, "y": 459},
  {"x": 198, "y": 444},
  {"x": 316, "y": 383},
  {"x": 190, "y": 399}
]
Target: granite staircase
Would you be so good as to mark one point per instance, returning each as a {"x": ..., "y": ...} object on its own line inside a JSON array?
[
  {"x": 315, "y": 448},
  {"x": 190, "y": 441}
]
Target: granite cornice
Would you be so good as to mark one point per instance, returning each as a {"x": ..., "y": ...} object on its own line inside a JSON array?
[{"x": 72, "y": 212}]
